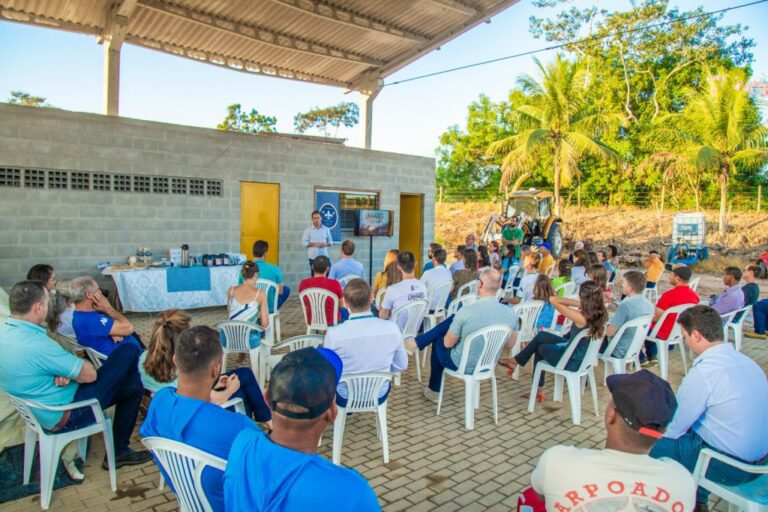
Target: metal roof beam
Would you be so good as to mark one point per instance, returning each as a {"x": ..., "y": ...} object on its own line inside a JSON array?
[
  {"x": 349, "y": 18},
  {"x": 258, "y": 34},
  {"x": 20, "y": 16},
  {"x": 116, "y": 23},
  {"x": 233, "y": 63},
  {"x": 456, "y": 6}
]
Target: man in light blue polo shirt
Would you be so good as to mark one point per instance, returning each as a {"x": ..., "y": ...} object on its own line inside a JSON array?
[
  {"x": 317, "y": 239},
  {"x": 347, "y": 265},
  {"x": 34, "y": 367},
  {"x": 271, "y": 273}
]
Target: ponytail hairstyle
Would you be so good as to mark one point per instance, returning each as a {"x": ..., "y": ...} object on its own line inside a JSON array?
[
  {"x": 598, "y": 274},
  {"x": 393, "y": 273},
  {"x": 166, "y": 332},
  {"x": 593, "y": 308},
  {"x": 249, "y": 270},
  {"x": 543, "y": 289},
  {"x": 533, "y": 259}
]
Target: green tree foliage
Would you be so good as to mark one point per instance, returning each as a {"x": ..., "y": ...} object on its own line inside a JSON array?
[
  {"x": 247, "y": 122},
  {"x": 24, "y": 98},
  {"x": 344, "y": 114}
]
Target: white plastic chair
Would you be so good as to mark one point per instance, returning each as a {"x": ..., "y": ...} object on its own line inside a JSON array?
[
  {"x": 460, "y": 302},
  {"x": 437, "y": 297},
  {"x": 568, "y": 288},
  {"x": 314, "y": 308},
  {"x": 492, "y": 338},
  {"x": 675, "y": 338},
  {"x": 347, "y": 278},
  {"x": 694, "y": 283},
  {"x": 550, "y": 270},
  {"x": 468, "y": 288},
  {"x": 527, "y": 313},
  {"x": 733, "y": 322},
  {"x": 363, "y": 396},
  {"x": 273, "y": 332},
  {"x": 293, "y": 343},
  {"x": 748, "y": 497},
  {"x": 380, "y": 297},
  {"x": 414, "y": 312},
  {"x": 651, "y": 294},
  {"x": 509, "y": 288},
  {"x": 619, "y": 364},
  {"x": 238, "y": 334},
  {"x": 71, "y": 345},
  {"x": 184, "y": 465},
  {"x": 51, "y": 443},
  {"x": 573, "y": 378}
]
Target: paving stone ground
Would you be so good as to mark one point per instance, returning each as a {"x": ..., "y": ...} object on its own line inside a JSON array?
[{"x": 435, "y": 464}]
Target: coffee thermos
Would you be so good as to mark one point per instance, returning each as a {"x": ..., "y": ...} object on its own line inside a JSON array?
[{"x": 185, "y": 255}]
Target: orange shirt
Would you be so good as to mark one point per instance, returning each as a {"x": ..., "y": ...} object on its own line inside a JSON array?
[{"x": 654, "y": 268}]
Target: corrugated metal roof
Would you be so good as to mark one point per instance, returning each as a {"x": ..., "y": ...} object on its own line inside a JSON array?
[{"x": 352, "y": 43}]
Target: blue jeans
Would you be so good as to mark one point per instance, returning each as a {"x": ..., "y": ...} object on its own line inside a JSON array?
[
  {"x": 650, "y": 284},
  {"x": 281, "y": 298},
  {"x": 342, "y": 402},
  {"x": 440, "y": 358},
  {"x": 760, "y": 312},
  {"x": 250, "y": 393},
  {"x": 685, "y": 450},
  {"x": 549, "y": 347},
  {"x": 117, "y": 383}
]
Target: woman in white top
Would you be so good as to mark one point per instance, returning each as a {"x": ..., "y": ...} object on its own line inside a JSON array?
[
  {"x": 580, "y": 264},
  {"x": 247, "y": 303},
  {"x": 528, "y": 281}
]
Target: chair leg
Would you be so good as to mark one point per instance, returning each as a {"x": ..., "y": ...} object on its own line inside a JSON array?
[
  {"x": 418, "y": 366},
  {"x": 278, "y": 332},
  {"x": 663, "y": 355},
  {"x": 574, "y": 394},
  {"x": 558, "y": 394},
  {"x": 109, "y": 447},
  {"x": 513, "y": 352},
  {"x": 593, "y": 386},
  {"x": 161, "y": 483},
  {"x": 534, "y": 388},
  {"x": 397, "y": 379},
  {"x": 469, "y": 404},
  {"x": 606, "y": 373},
  {"x": 476, "y": 385},
  {"x": 255, "y": 360},
  {"x": 338, "y": 434},
  {"x": 30, "y": 442},
  {"x": 440, "y": 394},
  {"x": 49, "y": 461},
  {"x": 495, "y": 400},
  {"x": 381, "y": 418}
]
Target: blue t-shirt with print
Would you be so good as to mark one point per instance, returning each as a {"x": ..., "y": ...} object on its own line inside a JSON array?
[{"x": 92, "y": 331}]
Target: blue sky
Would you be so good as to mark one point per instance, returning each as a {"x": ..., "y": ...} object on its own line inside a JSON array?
[{"x": 67, "y": 69}]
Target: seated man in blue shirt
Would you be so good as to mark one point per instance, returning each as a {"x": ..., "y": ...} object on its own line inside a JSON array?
[
  {"x": 34, "y": 367},
  {"x": 270, "y": 272},
  {"x": 722, "y": 405},
  {"x": 283, "y": 471},
  {"x": 347, "y": 265},
  {"x": 186, "y": 414},
  {"x": 96, "y": 323}
]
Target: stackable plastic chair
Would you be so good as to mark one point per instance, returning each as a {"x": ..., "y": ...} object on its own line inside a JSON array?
[
  {"x": 294, "y": 343},
  {"x": 619, "y": 364},
  {"x": 184, "y": 465},
  {"x": 568, "y": 288},
  {"x": 527, "y": 313},
  {"x": 314, "y": 308},
  {"x": 52, "y": 443},
  {"x": 460, "y": 302},
  {"x": 96, "y": 358},
  {"x": 414, "y": 311},
  {"x": 694, "y": 283},
  {"x": 748, "y": 497},
  {"x": 238, "y": 334},
  {"x": 363, "y": 396},
  {"x": 347, "y": 278},
  {"x": 675, "y": 338},
  {"x": 733, "y": 322},
  {"x": 468, "y": 288},
  {"x": 273, "y": 332},
  {"x": 437, "y": 296},
  {"x": 380, "y": 297},
  {"x": 509, "y": 288},
  {"x": 492, "y": 338},
  {"x": 573, "y": 378}
]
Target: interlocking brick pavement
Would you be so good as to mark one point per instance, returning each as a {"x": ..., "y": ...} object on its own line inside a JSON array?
[{"x": 435, "y": 464}]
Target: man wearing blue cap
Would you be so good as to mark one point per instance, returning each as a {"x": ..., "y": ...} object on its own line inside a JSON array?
[
  {"x": 282, "y": 471},
  {"x": 547, "y": 263},
  {"x": 622, "y": 476}
]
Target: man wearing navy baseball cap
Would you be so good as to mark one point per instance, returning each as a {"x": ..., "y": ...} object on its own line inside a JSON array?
[
  {"x": 547, "y": 261},
  {"x": 622, "y": 476},
  {"x": 282, "y": 471}
]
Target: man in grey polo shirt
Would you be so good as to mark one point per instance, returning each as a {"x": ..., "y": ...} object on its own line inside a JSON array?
[
  {"x": 447, "y": 338},
  {"x": 634, "y": 305},
  {"x": 317, "y": 238}
]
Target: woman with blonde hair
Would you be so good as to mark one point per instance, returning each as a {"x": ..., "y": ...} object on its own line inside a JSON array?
[
  {"x": 389, "y": 275},
  {"x": 157, "y": 369}
]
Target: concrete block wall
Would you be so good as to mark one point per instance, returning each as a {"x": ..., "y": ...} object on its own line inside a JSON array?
[{"x": 75, "y": 230}]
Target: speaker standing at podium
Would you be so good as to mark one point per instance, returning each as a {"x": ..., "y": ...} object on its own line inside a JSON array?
[{"x": 317, "y": 238}]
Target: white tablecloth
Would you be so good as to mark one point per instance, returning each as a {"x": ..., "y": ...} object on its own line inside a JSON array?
[{"x": 145, "y": 290}]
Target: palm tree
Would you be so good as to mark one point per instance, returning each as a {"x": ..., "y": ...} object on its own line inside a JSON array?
[
  {"x": 718, "y": 131},
  {"x": 556, "y": 121}
]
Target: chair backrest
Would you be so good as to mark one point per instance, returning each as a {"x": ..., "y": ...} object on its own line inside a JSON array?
[
  {"x": 343, "y": 280},
  {"x": 568, "y": 288},
  {"x": 313, "y": 301},
  {"x": 492, "y": 338},
  {"x": 438, "y": 296},
  {"x": 528, "y": 313},
  {"x": 613, "y": 275},
  {"x": 414, "y": 312},
  {"x": 468, "y": 288},
  {"x": 509, "y": 288},
  {"x": 25, "y": 411},
  {"x": 184, "y": 466},
  {"x": 238, "y": 334},
  {"x": 550, "y": 270},
  {"x": 460, "y": 302},
  {"x": 675, "y": 334},
  {"x": 267, "y": 285},
  {"x": 380, "y": 297},
  {"x": 640, "y": 325},
  {"x": 303, "y": 341},
  {"x": 363, "y": 389},
  {"x": 694, "y": 283},
  {"x": 590, "y": 358},
  {"x": 736, "y": 318}
]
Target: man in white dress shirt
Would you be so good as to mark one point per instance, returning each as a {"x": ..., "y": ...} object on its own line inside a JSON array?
[
  {"x": 317, "y": 238},
  {"x": 365, "y": 343},
  {"x": 437, "y": 275}
]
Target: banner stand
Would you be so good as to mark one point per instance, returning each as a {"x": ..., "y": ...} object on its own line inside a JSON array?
[{"x": 370, "y": 261}]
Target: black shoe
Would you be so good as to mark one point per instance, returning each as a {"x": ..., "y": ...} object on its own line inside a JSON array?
[{"x": 129, "y": 458}]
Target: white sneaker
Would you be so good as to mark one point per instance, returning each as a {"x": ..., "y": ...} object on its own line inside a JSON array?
[
  {"x": 432, "y": 395},
  {"x": 72, "y": 471},
  {"x": 410, "y": 346}
]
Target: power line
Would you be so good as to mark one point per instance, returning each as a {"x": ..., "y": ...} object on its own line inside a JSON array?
[{"x": 577, "y": 42}]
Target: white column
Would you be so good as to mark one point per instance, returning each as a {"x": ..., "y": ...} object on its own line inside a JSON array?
[
  {"x": 366, "y": 121},
  {"x": 111, "y": 79}
]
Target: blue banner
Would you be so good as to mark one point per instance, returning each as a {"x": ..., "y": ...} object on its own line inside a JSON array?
[{"x": 327, "y": 203}]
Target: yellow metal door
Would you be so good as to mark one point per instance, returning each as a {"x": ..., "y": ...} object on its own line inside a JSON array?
[
  {"x": 412, "y": 226},
  {"x": 260, "y": 218}
]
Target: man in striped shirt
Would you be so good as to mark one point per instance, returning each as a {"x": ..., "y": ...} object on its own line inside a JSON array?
[{"x": 365, "y": 343}]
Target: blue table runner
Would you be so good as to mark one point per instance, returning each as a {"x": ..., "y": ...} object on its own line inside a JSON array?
[{"x": 188, "y": 279}]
